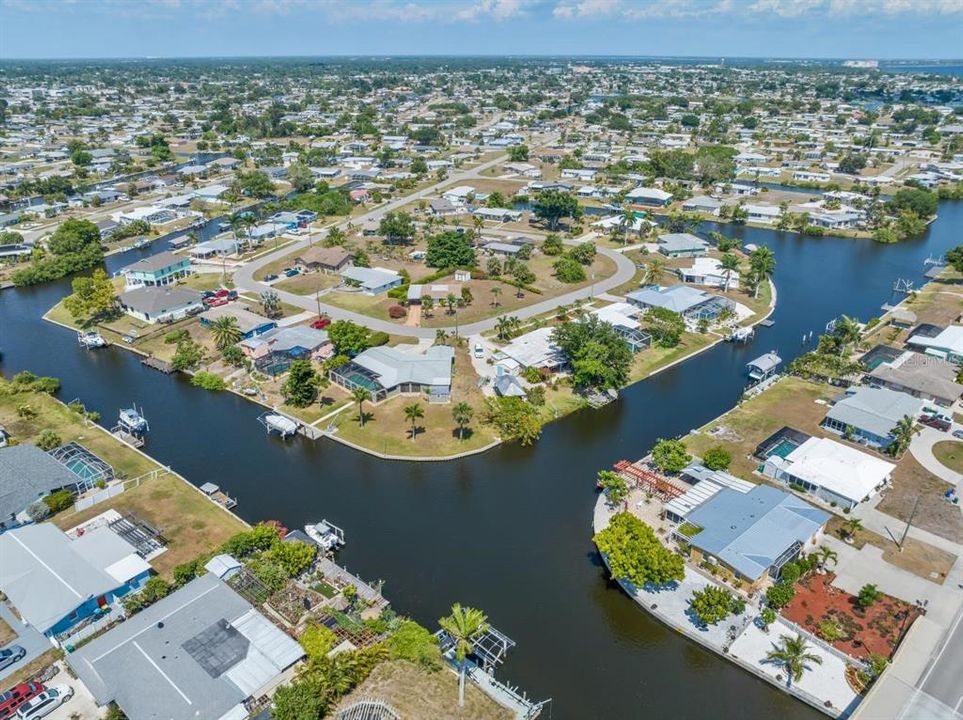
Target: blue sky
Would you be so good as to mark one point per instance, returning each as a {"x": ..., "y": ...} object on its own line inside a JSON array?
[{"x": 733, "y": 28}]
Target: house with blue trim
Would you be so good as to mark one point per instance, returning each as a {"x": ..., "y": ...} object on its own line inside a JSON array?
[
  {"x": 59, "y": 584},
  {"x": 164, "y": 268}
]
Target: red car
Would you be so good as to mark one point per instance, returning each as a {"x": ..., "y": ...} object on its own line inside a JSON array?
[
  {"x": 217, "y": 302},
  {"x": 16, "y": 696},
  {"x": 936, "y": 422},
  {"x": 321, "y": 323}
]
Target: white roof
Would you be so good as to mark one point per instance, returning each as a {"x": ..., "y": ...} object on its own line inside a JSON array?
[
  {"x": 534, "y": 349},
  {"x": 270, "y": 652},
  {"x": 649, "y": 193},
  {"x": 843, "y": 470},
  {"x": 950, "y": 338},
  {"x": 620, "y": 313}
]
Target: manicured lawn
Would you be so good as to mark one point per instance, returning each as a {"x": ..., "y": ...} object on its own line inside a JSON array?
[
  {"x": 950, "y": 453},
  {"x": 308, "y": 283},
  {"x": 790, "y": 401},
  {"x": 190, "y": 522},
  {"x": 651, "y": 359},
  {"x": 53, "y": 415}
]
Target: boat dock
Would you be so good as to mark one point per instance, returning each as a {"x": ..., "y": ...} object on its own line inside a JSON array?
[
  {"x": 216, "y": 495},
  {"x": 126, "y": 437},
  {"x": 158, "y": 364}
]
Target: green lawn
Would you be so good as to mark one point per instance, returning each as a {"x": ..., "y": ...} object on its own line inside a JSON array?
[{"x": 950, "y": 453}]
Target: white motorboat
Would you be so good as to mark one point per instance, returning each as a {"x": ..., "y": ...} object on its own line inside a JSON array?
[
  {"x": 133, "y": 421},
  {"x": 281, "y": 424},
  {"x": 328, "y": 536},
  {"x": 91, "y": 339}
]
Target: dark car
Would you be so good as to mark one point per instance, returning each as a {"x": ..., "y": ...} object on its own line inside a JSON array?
[
  {"x": 934, "y": 421},
  {"x": 11, "y": 655},
  {"x": 207, "y": 294},
  {"x": 269, "y": 278},
  {"x": 291, "y": 272},
  {"x": 16, "y": 696}
]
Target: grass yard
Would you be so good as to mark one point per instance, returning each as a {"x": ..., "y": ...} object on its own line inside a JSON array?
[
  {"x": 387, "y": 431},
  {"x": 934, "y": 514},
  {"x": 308, "y": 283},
  {"x": 417, "y": 694},
  {"x": 54, "y": 415},
  {"x": 191, "y": 523},
  {"x": 7, "y": 635},
  {"x": 651, "y": 359},
  {"x": 791, "y": 401},
  {"x": 950, "y": 453}
]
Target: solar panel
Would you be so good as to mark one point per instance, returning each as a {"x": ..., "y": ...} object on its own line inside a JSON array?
[{"x": 217, "y": 648}]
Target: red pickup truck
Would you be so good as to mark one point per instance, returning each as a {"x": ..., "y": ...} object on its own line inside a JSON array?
[{"x": 16, "y": 696}]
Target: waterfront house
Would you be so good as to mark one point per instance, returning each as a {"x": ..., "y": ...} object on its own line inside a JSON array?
[
  {"x": 830, "y": 470},
  {"x": 164, "y": 268},
  {"x": 682, "y": 245},
  {"x": 387, "y": 371},
  {"x": 249, "y": 323},
  {"x": 768, "y": 214},
  {"x": 922, "y": 376},
  {"x": 622, "y": 317},
  {"x": 702, "y": 204},
  {"x": 201, "y": 652},
  {"x": 652, "y": 197},
  {"x": 217, "y": 247},
  {"x": 534, "y": 349},
  {"x": 750, "y": 536},
  {"x": 274, "y": 350},
  {"x": 326, "y": 259},
  {"x": 27, "y": 475},
  {"x": 692, "y": 303},
  {"x": 151, "y": 214},
  {"x": 708, "y": 271},
  {"x": 947, "y": 344},
  {"x": 153, "y": 304},
  {"x": 372, "y": 281},
  {"x": 869, "y": 415},
  {"x": 58, "y": 584}
]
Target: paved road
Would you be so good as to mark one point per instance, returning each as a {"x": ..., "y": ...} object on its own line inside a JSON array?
[
  {"x": 245, "y": 282},
  {"x": 28, "y": 638},
  {"x": 944, "y": 678},
  {"x": 922, "y": 449}
]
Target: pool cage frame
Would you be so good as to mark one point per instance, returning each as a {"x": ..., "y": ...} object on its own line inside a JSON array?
[{"x": 73, "y": 452}]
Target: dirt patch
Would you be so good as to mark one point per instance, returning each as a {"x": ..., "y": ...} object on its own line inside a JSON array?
[
  {"x": 7, "y": 635},
  {"x": 876, "y": 629},
  {"x": 933, "y": 514},
  {"x": 420, "y": 695}
]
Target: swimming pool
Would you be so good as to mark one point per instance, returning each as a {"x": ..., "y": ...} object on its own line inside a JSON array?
[{"x": 782, "y": 449}]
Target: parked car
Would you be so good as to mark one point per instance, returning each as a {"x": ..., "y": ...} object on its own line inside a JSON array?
[
  {"x": 291, "y": 272},
  {"x": 321, "y": 323},
  {"x": 958, "y": 434},
  {"x": 269, "y": 278},
  {"x": 11, "y": 655},
  {"x": 45, "y": 703},
  {"x": 224, "y": 293},
  {"x": 207, "y": 294},
  {"x": 936, "y": 422},
  {"x": 12, "y": 699},
  {"x": 218, "y": 302},
  {"x": 479, "y": 351}
]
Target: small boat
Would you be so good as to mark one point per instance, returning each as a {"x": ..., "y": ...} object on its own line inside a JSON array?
[
  {"x": 742, "y": 334},
  {"x": 133, "y": 421},
  {"x": 280, "y": 424},
  {"x": 328, "y": 536},
  {"x": 91, "y": 339}
]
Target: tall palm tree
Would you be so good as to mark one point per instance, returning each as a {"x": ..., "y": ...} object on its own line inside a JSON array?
[
  {"x": 626, "y": 222},
  {"x": 464, "y": 625},
  {"x": 825, "y": 555},
  {"x": 793, "y": 654},
  {"x": 504, "y": 328},
  {"x": 851, "y": 526},
  {"x": 729, "y": 264},
  {"x": 654, "y": 270},
  {"x": 413, "y": 413},
  {"x": 440, "y": 336},
  {"x": 225, "y": 331},
  {"x": 496, "y": 291},
  {"x": 462, "y": 413},
  {"x": 902, "y": 435},
  {"x": 361, "y": 395},
  {"x": 847, "y": 331},
  {"x": 763, "y": 264},
  {"x": 427, "y": 305}
]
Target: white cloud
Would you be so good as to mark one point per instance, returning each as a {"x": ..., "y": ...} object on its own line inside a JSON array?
[{"x": 641, "y": 9}]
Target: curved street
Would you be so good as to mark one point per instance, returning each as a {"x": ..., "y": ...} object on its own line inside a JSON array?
[{"x": 245, "y": 282}]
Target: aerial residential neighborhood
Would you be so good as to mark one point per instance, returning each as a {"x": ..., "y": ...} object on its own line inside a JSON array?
[{"x": 363, "y": 361}]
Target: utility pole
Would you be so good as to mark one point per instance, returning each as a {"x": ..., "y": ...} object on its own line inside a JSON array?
[{"x": 909, "y": 522}]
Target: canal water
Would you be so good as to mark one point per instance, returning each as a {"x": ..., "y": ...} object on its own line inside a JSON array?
[{"x": 507, "y": 531}]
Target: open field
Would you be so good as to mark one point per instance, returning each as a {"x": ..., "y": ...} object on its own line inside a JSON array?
[
  {"x": 308, "y": 283},
  {"x": 934, "y": 514},
  {"x": 191, "y": 523},
  {"x": 420, "y": 695},
  {"x": 387, "y": 431},
  {"x": 654, "y": 358}
]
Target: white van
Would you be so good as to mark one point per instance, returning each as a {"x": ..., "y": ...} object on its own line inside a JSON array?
[{"x": 479, "y": 351}]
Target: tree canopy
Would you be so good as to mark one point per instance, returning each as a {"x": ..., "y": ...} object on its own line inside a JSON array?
[
  {"x": 92, "y": 296},
  {"x": 450, "y": 249},
  {"x": 553, "y": 205},
  {"x": 670, "y": 455},
  {"x": 634, "y": 553},
  {"x": 598, "y": 354},
  {"x": 348, "y": 338}
]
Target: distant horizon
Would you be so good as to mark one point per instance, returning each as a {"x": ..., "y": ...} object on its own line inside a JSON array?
[{"x": 885, "y": 30}]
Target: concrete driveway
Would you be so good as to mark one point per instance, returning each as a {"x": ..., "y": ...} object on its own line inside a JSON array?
[
  {"x": 921, "y": 448},
  {"x": 81, "y": 705},
  {"x": 27, "y": 637}
]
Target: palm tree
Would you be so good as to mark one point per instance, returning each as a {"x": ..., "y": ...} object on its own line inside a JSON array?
[
  {"x": 847, "y": 330},
  {"x": 654, "y": 270},
  {"x": 729, "y": 264},
  {"x": 427, "y": 305},
  {"x": 826, "y": 554},
  {"x": 626, "y": 222},
  {"x": 451, "y": 301},
  {"x": 225, "y": 331},
  {"x": 462, "y": 413},
  {"x": 463, "y": 626},
  {"x": 902, "y": 435},
  {"x": 440, "y": 336},
  {"x": 361, "y": 395},
  {"x": 793, "y": 654},
  {"x": 496, "y": 291},
  {"x": 763, "y": 264},
  {"x": 413, "y": 413},
  {"x": 851, "y": 526},
  {"x": 504, "y": 328}
]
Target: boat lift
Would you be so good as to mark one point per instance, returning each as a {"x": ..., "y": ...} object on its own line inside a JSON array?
[
  {"x": 91, "y": 340},
  {"x": 131, "y": 426},
  {"x": 280, "y": 424}
]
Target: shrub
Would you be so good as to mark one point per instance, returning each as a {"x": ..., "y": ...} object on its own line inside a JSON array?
[
  {"x": 868, "y": 595},
  {"x": 378, "y": 338},
  {"x": 317, "y": 641},
  {"x": 208, "y": 381},
  {"x": 48, "y": 440},
  {"x": 780, "y": 595},
  {"x": 397, "y": 312},
  {"x": 790, "y": 573},
  {"x": 768, "y": 616},
  {"x": 414, "y": 643},
  {"x": 175, "y": 336},
  {"x": 59, "y": 501},
  {"x": 713, "y": 604},
  {"x": 716, "y": 458}
]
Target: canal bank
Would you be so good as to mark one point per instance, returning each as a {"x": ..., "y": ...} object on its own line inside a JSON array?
[{"x": 506, "y": 531}]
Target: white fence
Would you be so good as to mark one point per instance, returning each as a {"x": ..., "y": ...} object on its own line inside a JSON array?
[{"x": 99, "y": 497}]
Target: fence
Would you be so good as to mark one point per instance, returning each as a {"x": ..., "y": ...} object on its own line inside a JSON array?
[{"x": 116, "y": 489}]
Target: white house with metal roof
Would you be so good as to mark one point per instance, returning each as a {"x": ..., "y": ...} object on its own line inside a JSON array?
[
  {"x": 386, "y": 371},
  {"x": 947, "y": 344},
  {"x": 372, "y": 281},
  {"x": 871, "y": 414}
]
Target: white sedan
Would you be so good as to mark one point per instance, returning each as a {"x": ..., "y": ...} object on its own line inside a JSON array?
[{"x": 45, "y": 703}]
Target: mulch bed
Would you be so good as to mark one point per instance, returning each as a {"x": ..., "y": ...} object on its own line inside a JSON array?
[{"x": 876, "y": 629}]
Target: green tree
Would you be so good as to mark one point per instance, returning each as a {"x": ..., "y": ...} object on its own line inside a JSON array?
[
  {"x": 293, "y": 557},
  {"x": 552, "y": 245},
  {"x": 187, "y": 355},
  {"x": 633, "y": 553},
  {"x": 348, "y": 338},
  {"x": 462, "y": 414},
  {"x": 825, "y": 555},
  {"x": 716, "y": 458},
  {"x": 450, "y": 249},
  {"x": 793, "y": 655},
  {"x": 300, "y": 177},
  {"x": 729, "y": 264},
  {"x": 208, "y": 381},
  {"x": 361, "y": 395},
  {"x": 919, "y": 201},
  {"x": 301, "y": 386},
  {"x": 902, "y": 436},
  {"x": 92, "y": 296},
  {"x": 271, "y": 304},
  {"x": 553, "y": 205},
  {"x": 762, "y": 263},
  {"x": 868, "y": 595},
  {"x": 414, "y": 413},
  {"x": 670, "y": 455},
  {"x": 514, "y": 419},
  {"x": 568, "y": 270},
  {"x": 299, "y": 701},
  {"x": 955, "y": 258},
  {"x": 666, "y": 326},
  {"x": 780, "y": 594},
  {"x": 73, "y": 236},
  {"x": 713, "y": 604},
  {"x": 598, "y": 354},
  {"x": 464, "y": 625},
  {"x": 48, "y": 440},
  {"x": 317, "y": 641},
  {"x": 654, "y": 272},
  {"x": 397, "y": 227},
  {"x": 518, "y": 153},
  {"x": 613, "y": 485},
  {"x": 225, "y": 331},
  {"x": 256, "y": 184},
  {"x": 414, "y": 643}
]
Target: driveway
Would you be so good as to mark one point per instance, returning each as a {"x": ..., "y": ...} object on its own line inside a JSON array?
[
  {"x": 921, "y": 448},
  {"x": 81, "y": 705},
  {"x": 27, "y": 637}
]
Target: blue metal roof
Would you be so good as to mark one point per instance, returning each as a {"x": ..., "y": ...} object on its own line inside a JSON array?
[{"x": 748, "y": 532}]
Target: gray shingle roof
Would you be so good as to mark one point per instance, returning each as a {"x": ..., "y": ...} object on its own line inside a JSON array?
[
  {"x": 154, "y": 301},
  {"x": 27, "y": 473},
  {"x": 875, "y": 410},
  {"x": 394, "y": 367}
]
